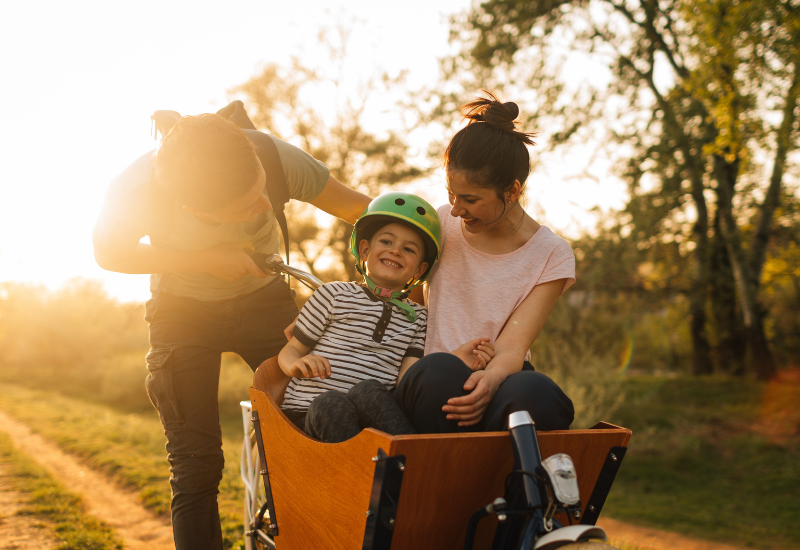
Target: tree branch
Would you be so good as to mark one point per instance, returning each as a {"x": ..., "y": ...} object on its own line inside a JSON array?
[{"x": 758, "y": 246}]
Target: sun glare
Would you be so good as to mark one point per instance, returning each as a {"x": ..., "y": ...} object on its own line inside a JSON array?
[{"x": 87, "y": 78}]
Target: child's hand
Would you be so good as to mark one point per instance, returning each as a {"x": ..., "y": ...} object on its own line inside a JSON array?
[
  {"x": 476, "y": 353},
  {"x": 311, "y": 366}
]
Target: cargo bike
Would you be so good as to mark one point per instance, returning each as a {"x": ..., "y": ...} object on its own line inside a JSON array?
[{"x": 519, "y": 489}]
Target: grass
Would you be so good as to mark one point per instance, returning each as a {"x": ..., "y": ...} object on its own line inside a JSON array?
[
  {"x": 714, "y": 458},
  {"x": 128, "y": 447},
  {"x": 57, "y": 510},
  {"x": 708, "y": 455}
]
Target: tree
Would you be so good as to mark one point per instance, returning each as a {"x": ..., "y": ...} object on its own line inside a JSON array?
[
  {"x": 289, "y": 103},
  {"x": 700, "y": 97}
]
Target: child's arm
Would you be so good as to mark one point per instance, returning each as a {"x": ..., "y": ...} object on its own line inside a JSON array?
[
  {"x": 295, "y": 360},
  {"x": 405, "y": 365}
]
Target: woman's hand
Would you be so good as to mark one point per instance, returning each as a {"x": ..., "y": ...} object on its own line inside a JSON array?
[
  {"x": 476, "y": 353},
  {"x": 469, "y": 409}
]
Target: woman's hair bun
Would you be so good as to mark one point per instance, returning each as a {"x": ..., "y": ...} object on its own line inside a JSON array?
[
  {"x": 496, "y": 113},
  {"x": 501, "y": 115},
  {"x": 513, "y": 108}
]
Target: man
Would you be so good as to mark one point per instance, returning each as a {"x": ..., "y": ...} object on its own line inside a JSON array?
[{"x": 201, "y": 199}]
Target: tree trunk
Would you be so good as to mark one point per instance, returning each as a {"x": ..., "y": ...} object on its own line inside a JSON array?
[
  {"x": 701, "y": 350},
  {"x": 759, "y": 355},
  {"x": 698, "y": 300},
  {"x": 748, "y": 273},
  {"x": 728, "y": 348},
  {"x": 758, "y": 246}
]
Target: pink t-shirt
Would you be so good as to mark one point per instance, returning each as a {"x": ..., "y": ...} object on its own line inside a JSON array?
[{"x": 472, "y": 294}]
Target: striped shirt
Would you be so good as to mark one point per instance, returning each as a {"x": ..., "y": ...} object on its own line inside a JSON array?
[{"x": 361, "y": 336}]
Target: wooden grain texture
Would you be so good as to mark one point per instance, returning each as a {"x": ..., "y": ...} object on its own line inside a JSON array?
[
  {"x": 269, "y": 378},
  {"x": 321, "y": 491},
  {"x": 449, "y": 477},
  {"x": 446, "y": 480}
]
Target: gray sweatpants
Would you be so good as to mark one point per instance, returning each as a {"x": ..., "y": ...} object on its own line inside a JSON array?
[{"x": 335, "y": 416}]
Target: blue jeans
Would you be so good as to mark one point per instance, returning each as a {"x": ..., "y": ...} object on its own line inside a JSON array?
[
  {"x": 437, "y": 377},
  {"x": 187, "y": 338}
]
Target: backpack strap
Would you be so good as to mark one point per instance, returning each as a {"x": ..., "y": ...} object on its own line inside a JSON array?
[{"x": 277, "y": 188}]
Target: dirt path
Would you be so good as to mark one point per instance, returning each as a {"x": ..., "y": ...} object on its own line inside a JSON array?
[
  {"x": 139, "y": 528},
  {"x": 654, "y": 539},
  {"x": 18, "y": 532}
]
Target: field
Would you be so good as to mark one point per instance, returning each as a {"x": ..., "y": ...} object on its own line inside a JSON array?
[
  {"x": 46, "y": 511},
  {"x": 706, "y": 452},
  {"x": 127, "y": 442},
  {"x": 715, "y": 458}
]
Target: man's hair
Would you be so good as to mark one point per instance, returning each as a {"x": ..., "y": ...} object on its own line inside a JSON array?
[{"x": 205, "y": 162}]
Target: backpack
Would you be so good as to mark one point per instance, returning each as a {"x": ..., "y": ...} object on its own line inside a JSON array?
[{"x": 277, "y": 188}]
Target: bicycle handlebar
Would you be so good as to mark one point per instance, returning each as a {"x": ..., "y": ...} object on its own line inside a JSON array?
[{"x": 273, "y": 262}]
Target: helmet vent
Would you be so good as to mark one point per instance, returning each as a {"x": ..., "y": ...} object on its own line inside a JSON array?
[
  {"x": 420, "y": 211},
  {"x": 399, "y": 202}
]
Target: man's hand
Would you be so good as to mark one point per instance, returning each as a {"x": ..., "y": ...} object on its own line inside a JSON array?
[
  {"x": 229, "y": 262},
  {"x": 311, "y": 366},
  {"x": 476, "y": 353},
  {"x": 469, "y": 409}
]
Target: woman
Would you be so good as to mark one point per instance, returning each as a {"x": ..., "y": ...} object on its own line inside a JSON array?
[{"x": 498, "y": 279}]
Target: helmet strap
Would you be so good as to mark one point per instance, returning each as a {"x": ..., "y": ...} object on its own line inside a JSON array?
[{"x": 391, "y": 296}]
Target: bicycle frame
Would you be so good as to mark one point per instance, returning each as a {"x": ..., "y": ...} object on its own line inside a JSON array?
[
  {"x": 250, "y": 466},
  {"x": 250, "y": 470}
]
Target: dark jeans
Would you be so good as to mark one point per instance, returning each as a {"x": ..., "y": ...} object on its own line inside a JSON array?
[
  {"x": 437, "y": 377},
  {"x": 187, "y": 338}
]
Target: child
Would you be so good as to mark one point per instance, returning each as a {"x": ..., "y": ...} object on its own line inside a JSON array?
[{"x": 364, "y": 336}]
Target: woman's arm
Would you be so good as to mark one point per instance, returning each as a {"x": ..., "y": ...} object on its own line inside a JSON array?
[{"x": 519, "y": 333}]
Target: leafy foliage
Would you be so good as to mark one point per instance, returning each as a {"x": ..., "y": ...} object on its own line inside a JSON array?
[
  {"x": 76, "y": 338},
  {"x": 323, "y": 109},
  {"x": 696, "y": 103}
]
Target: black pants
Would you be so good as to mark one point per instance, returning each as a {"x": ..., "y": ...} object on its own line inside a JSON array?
[
  {"x": 437, "y": 377},
  {"x": 187, "y": 338},
  {"x": 335, "y": 416}
]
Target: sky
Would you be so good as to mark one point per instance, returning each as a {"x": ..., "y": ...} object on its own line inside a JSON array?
[{"x": 81, "y": 79}]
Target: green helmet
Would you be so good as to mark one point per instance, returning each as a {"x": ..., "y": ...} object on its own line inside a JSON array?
[{"x": 404, "y": 207}]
